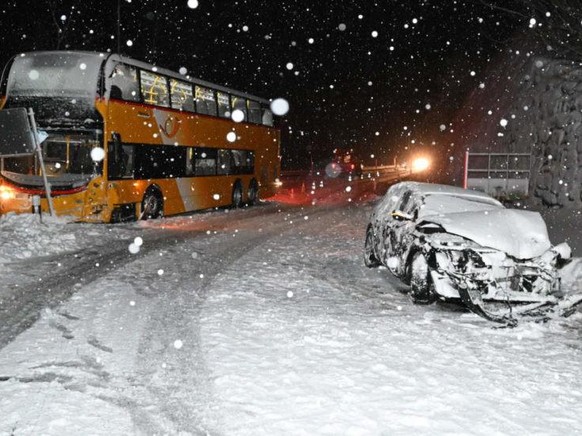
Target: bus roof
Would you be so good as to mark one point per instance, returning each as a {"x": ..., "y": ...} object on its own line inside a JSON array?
[{"x": 109, "y": 59}]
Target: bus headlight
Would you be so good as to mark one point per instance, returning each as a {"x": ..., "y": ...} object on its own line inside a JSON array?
[{"x": 7, "y": 193}]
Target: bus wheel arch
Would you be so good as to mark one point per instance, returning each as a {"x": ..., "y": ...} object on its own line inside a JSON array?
[
  {"x": 152, "y": 205},
  {"x": 237, "y": 194},
  {"x": 253, "y": 192}
]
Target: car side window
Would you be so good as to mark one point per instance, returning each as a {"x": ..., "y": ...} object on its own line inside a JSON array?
[{"x": 404, "y": 201}]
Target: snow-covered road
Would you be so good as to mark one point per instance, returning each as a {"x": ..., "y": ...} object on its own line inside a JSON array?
[{"x": 260, "y": 321}]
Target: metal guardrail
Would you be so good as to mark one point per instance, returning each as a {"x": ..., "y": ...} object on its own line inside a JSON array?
[{"x": 498, "y": 174}]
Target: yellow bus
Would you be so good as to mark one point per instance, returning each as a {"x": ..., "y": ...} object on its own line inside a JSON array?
[{"x": 127, "y": 140}]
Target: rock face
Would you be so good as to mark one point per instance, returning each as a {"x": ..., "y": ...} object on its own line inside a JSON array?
[
  {"x": 531, "y": 104},
  {"x": 554, "y": 124}
]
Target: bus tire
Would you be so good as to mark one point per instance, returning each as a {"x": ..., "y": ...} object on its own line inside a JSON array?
[
  {"x": 253, "y": 194},
  {"x": 237, "y": 195},
  {"x": 152, "y": 206}
]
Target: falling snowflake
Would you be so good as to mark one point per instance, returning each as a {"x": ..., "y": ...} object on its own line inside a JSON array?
[
  {"x": 237, "y": 115},
  {"x": 97, "y": 154},
  {"x": 280, "y": 106}
]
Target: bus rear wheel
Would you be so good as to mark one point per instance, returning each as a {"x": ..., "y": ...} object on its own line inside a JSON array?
[
  {"x": 152, "y": 206},
  {"x": 237, "y": 195},
  {"x": 253, "y": 194}
]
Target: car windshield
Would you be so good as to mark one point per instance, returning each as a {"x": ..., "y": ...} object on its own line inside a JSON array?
[{"x": 436, "y": 204}]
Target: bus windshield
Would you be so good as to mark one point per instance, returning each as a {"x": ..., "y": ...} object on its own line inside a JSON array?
[
  {"x": 67, "y": 159},
  {"x": 59, "y": 74}
]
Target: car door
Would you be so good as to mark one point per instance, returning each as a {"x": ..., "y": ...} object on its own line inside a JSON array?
[
  {"x": 399, "y": 235},
  {"x": 382, "y": 219}
]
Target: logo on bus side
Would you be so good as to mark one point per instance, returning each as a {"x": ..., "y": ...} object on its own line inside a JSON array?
[{"x": 170, "y": 127}]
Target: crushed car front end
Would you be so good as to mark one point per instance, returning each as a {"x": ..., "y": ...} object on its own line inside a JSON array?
[{"x": 458, "y": 263}]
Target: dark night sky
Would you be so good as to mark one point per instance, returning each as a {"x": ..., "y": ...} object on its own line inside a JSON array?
[{"x": 347, "y": 87}]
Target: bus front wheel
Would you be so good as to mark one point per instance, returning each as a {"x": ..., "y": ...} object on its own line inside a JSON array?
[{"x": 152, "y": 205}]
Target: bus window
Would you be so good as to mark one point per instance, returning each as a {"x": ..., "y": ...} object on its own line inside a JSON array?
[
  {"x": 205, "y": 101},
  {"x": 181, "y": 95},
  {"x": 159, "y": 162},
  {"x": 225, "y": 162},
  {"x": 154, "y": 89},
  {"x": 55, "y": 156},
  {"x": 128, "y": 161},
  {"x": 69, "y": 155},
  {"x": 243, "y": 161},
  {"x": 204, "y": 162},
  {"x": 121, "y": 160},
  {"x": 124, "y": 83},
  {"x": 240, "y": 104},
  {"x": 223, "y": 105},
  {"x": 267, "y": 117},
  {"x": 254, "y": 112},
  {"x": 189, "y": 161}
]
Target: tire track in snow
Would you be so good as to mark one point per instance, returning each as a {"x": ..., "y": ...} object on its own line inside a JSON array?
[
  {"x": 179, "y": 378},
  {"x": 58, "y": 277}
]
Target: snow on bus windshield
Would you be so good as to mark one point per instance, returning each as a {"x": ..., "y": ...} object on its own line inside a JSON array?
[{"x": 49, "y": 74}]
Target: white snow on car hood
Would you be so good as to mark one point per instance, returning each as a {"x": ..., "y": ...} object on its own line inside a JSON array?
[{"x": 519, "y": 233}]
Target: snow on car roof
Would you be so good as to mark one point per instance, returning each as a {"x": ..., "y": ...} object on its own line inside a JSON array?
[
  {"x": 425, "y": 189},
  {"x": 447, "y": 204},
  {"x": 482, "y": 219}
]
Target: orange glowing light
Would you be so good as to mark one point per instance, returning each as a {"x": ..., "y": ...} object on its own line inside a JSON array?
[
  {"x": 420, "y": 164},
  {"x": 6, "y": 193}
]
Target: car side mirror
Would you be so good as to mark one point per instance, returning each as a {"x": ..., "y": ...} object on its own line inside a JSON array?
[
  {"x": 563, "y": 252},
  {"x": 398, "y": 215}
]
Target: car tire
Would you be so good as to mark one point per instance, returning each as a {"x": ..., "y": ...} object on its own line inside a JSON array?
[
  {"x": 152, "y": 205},
  {"x": 370, "y": 259},
  {"x": 421, "y": 285}
]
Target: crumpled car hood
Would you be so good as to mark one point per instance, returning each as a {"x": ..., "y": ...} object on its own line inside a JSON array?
[{"x": 519, "y": 233}]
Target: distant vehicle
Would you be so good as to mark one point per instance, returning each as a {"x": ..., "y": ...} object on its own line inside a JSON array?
[
  {"x": 128, "y": 140},
  {"x": 344, "y": 163},
  {"x": 448, "y": 243}
]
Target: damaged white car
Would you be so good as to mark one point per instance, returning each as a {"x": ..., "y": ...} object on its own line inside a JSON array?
[{"x": 449, "y": 243}]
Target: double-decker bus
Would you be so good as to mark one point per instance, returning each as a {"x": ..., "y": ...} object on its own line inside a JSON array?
[{"x": 128, "y": 140}]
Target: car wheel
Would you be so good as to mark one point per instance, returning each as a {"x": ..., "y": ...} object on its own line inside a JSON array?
[
  {"x": 152, "y": 205},
  {"x": 370, "y": 259},
  {"x": 421, "y": 285}
]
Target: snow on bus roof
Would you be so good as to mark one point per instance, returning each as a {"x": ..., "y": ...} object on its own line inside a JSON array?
[{"x": 114, "y": 57}]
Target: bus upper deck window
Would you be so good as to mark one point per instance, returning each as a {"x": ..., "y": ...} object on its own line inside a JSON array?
[
  {"x": 181, "y": 95},
  {"x": 223, "y": 105},
  {"x": 254, "y": 112},
  {"x": 154, "y": 88},
  {"x": 124, "y": 83},
  {"x": 239, "y": 103},
  {"x": 205, "y": 101},
  {"x": 267, "y": 117}
]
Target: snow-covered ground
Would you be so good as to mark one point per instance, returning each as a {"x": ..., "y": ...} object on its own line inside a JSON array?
[{"x": 261, "y": 321}]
